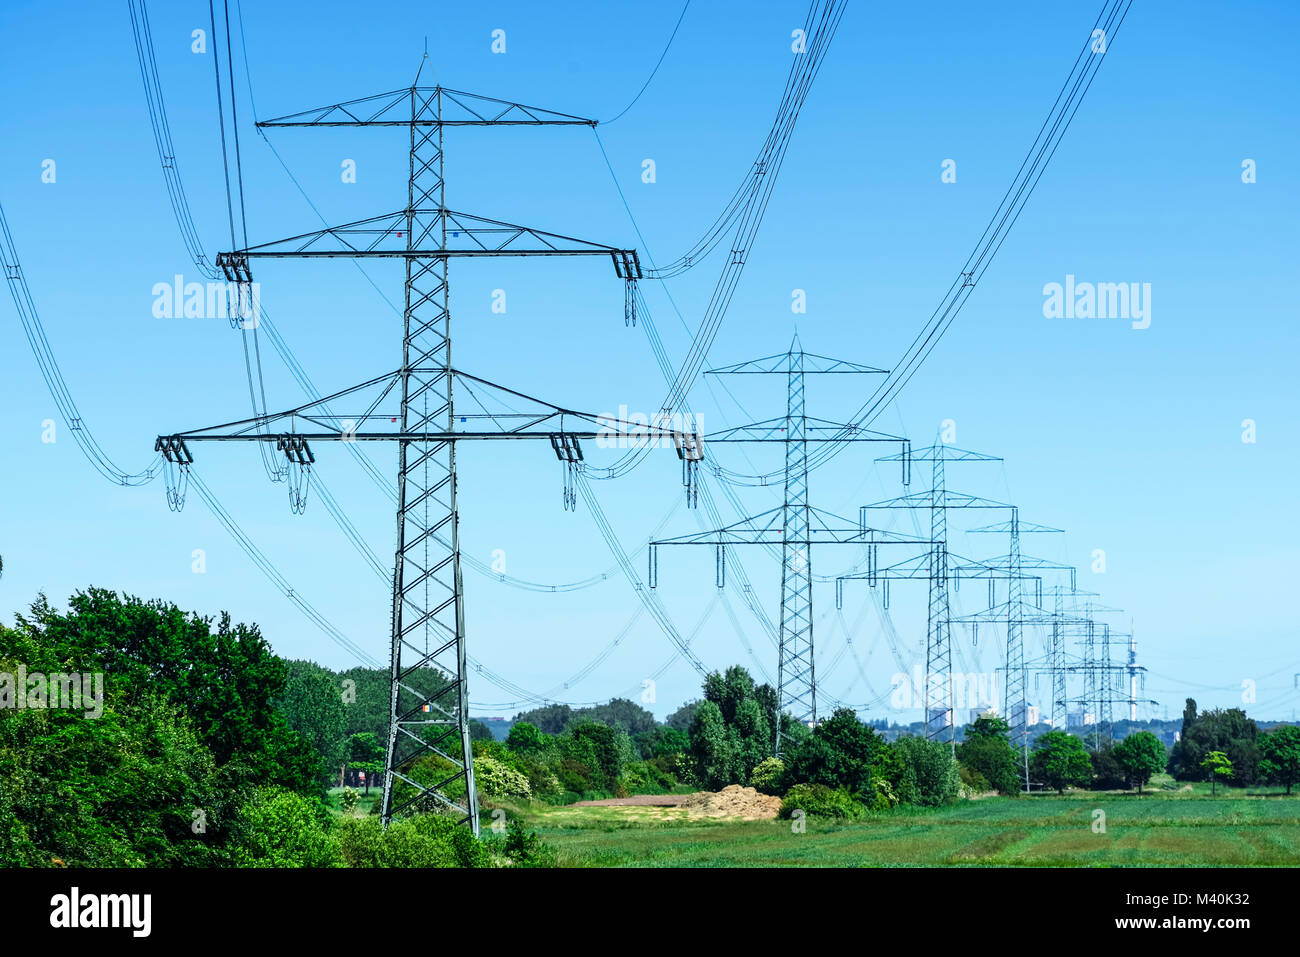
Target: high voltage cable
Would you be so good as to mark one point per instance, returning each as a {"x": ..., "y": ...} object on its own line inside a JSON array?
[
  {"x": 153, "y": 91},
  {"x": 185, "y": 221},
  {"x": 796, "y": 83},
  {"x": 658, "y": 64},
  {"x": 821, "y": 27},
  {"x": 268, "y": 568},
  {"x": 15, "y": 272},
  {"x": 644, "y": 595},
  {"x": 162, "y": 136},
  {"x": 796, "y": 87},
  {"x": 384, "y": 575},
  {"x": 148, "y": 65},
  {"x": 34, "y": 330},
  {"x": 1040, "y": 153}
]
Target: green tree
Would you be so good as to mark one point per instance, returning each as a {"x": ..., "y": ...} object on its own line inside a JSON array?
[
  {"x": 553, "y": 718},
  {"x": 987, "y": 750},
  {"x": 526, "y": 738},
  {"x": 731, "y": 730},
  {"x": 930, "y": 775},
  {"x": 609, "y": 749},
  {"x": 134, "y": 787},
  {"x": 1228, "y": 730},
  {"x": 365, "y": 693},
  {"x": 1141, "y": 755},
  {"x": 1060, "y": 761},
  {"x": 366, "y": 754},
  {"x": 1216, "y": 765},
  {"x": 680, "y": 720},
  {"x": 1107, "y": 773},
  {"x": 278, "y": 828},
  {"x": 223, "y": 675},
  {"x": 713, "y": 749},
  {"x": 663, "y": 741},
  {"x": 841, "y": 752},
  {"x": 313, "y": 706},
  {"x": 618, "y": 713},
  {"x": 1280, "y": 756}
]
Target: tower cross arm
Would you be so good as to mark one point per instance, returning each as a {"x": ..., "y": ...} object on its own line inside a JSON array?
[
  {"x": 419, "y": 234},
  {"x": 426, "y": 106}
]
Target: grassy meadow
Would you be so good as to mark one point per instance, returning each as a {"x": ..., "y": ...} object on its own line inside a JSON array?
[{"x": 1162, "y": 828}]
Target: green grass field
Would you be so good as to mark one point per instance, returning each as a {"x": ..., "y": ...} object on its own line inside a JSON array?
[{"x": 1160, "y": 829}]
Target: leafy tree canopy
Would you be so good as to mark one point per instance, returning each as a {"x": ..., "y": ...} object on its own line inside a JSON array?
[{"x": 1060, "y": 760}]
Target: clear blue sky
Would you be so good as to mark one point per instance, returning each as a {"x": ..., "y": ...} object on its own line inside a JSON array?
[{"x": 1128, "y": 439}]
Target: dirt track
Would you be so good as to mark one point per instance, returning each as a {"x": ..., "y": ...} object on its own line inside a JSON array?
[
  {"x": 638, "y": 800},
  {"x": 732, "y": 801}
]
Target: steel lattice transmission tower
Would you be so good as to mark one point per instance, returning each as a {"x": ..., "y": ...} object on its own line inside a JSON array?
[
  {"x": 796, "y": 525},
  {"x": 428, "y": 707},
  {"x": 796, "y": 681},
  {"x": 938, "y": 634},
  {"x": 1016, "y": 614}
]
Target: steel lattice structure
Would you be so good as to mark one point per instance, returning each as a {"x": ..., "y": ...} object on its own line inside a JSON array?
[
  {"x": 796, "y": 525},
  {"x": 428, "y": 707},
  {"x": 938, "y": 634}
]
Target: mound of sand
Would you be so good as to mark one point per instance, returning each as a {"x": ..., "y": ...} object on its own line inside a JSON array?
[{"x": 733, "y": 801}]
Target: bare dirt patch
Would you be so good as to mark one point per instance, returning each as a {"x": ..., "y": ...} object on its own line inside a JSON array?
[
  {"x": 637, "y": 800},
  {"x": 733, "y": 801}
]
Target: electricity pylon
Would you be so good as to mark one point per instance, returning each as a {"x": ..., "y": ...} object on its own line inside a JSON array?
[
  {"x": 1062, "y": 624},
  {"x": 1019, "y": 613},
  {"x": 428, "y": 707},
  {"x": 796, "y": 525},
  {"x": 1015, "y": 614},
  {"x": 940, "y": 699},
  {"x": 938, "y": 687}
]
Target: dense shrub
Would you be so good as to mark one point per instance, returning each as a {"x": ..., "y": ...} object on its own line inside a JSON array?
[
  {"x": 973, "y": 780},
  {"x": 930, "y": 776},
  {"x": 602, "y": 749},
  {"x": 525, "y": 849},
  {"x": 576, "y": 777},
  {"x": 277, "y": 828},
  {"x": 841, "y": 752},
  {"x": 662, "y": 742},
  {"x": 767, "y": 776},
  {"x": 1107, "y": 773},
  {"x": 987, "y": 753},
  {"x": 495, "y": 779},
  {"x": 525, "y": 738},
  {"x": 818, "y": 800},
  {"x": 644, "y": 777},
  {"x": 424, "y": 840}
]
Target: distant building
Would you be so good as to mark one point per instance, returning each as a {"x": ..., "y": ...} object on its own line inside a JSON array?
[
  {"x": 1031, "y": 715},
  {"x": 941, "y": 718},
  {"x": 1079, "y": 719}
]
